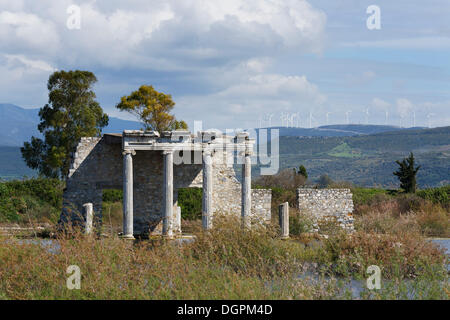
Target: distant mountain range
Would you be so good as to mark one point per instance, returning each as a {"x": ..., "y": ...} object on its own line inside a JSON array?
[
  {"x": 19, "y": 124},
  {"x": 362, "y": 154}
]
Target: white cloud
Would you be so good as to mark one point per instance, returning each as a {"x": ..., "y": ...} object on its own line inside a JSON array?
[
  {"x": 251, "y": 97},
  {"x": 404, "y": 106},
  {"x": 380, "y": 104},
  {"x": 20, "y": 31},
  {"x": 32, "y": 64},
  {"x": 159, "y": 34}
]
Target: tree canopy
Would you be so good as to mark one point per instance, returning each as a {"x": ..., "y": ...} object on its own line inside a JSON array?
[
  {"x": 71, "y": 113},
  {"x": 407, "y": 173},
  {"x": 302, "y": 171},
  {"x": 152, "y": 108}
]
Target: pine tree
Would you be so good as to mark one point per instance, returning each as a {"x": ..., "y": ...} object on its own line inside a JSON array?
[
  {"x": 71, "y": 113},
  {"x": 302, "y": 171},
  {"x": 407, "y": 173}
]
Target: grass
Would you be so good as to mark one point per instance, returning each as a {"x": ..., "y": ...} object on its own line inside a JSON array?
[
  {"x": 224, "y": 263},
  {"x": 404, "y": 214},
  {"x": 229, "y": 263}
]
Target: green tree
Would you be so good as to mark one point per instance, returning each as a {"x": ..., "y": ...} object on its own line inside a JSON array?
[
  {"x": 407, "y": 174},
  {"x": 302, "y": 171},
  {"x": 71, "y": 113},
  {"x": 324, "y": 181},
  {"x": 152, "y": 108}
]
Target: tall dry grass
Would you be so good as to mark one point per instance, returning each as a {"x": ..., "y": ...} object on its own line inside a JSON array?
[
  {"x": 224, "y": 263},
  {"x": 403, "y": 215}
]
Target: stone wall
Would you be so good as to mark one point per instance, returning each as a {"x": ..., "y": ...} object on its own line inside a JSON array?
[
  {"x": 97, "y": 164},
  {"x": 262, "y": 203},
  {"x": 326, "y": 203}
]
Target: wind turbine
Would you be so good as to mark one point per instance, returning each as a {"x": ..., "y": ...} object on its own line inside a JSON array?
[
  {"x": 429, "y": 115},
  {"x": 268, "y": 118},
  {"x": 328, "y": 115},
  {"x": 260, "y": 121},
  {"x": 367, "y": 116},
  {"x": 311, "y": 118},
  {"x": 387, "y": 117},
  {"x": 414, "y": 118},
  {"x": 347, "y": 116},
  {"x": 291, "y": 119},
  {"x": 284, "y": 119}
]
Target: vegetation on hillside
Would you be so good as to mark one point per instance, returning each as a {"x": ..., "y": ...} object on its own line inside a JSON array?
[
  {"x": 34, "y": 200},
  {"x": 369, "y": 160}
]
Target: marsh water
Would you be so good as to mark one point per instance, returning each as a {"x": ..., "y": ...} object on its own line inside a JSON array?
[{"x": 444, "y": 243}]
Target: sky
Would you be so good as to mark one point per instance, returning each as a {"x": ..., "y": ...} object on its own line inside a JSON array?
[{"x": 238, "y": 63}]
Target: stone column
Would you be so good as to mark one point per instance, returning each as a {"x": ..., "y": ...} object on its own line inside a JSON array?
[
  {"x": 207, "y": 190},
  {"x": 168, "y": 194},
  {"x": 128, "y": 194},
  {"x": 283, "y": 215},
  {"x": 246, "y": 203},
  {"x": 177, "y": 226},
  {"x": 89, "y": 214}
]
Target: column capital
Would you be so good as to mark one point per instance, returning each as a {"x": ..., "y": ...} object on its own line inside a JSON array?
[
  {"x": 167, "y": 152},
  {"x": 132, "y": 152}
]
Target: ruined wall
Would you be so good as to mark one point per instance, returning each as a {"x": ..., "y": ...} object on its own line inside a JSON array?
[
  {"x": 84, "y": 183},
  {"x": 325, "y": 203},
  {"x": 227, "y": 191},
  {"x": 97, "y": 164},
  {"x": 262, "y": 203}
]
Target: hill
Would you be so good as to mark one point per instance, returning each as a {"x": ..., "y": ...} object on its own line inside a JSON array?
[
  {"x": 337, "y": 130},
  {"x": 12, "y": 165},
  {"x": 369, "y": 160}
]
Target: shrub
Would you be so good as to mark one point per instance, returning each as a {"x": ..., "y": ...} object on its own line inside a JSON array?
[
  {"x": 436, "y": 195},
  {"x": 112, "y": 195},
  {"x": 36, "y": 199},
  {"x": 300, "y": 223},
  {"x": 368, "y": 195},
  {"x": 403, "y": 214},
  {"x": 400, "y": 255},
  {"x": 190, "y": 202},
  {"x": 47, "y": 190},
  {"x": 286, "y": 179}
]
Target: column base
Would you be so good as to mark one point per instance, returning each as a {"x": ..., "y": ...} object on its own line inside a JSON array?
[{"x": 127, "y": 237}]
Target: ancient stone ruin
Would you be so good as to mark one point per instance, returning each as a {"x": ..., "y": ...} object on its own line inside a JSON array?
[
  {"x": 151, "y": 167},
  {"x": 327, "y": 204}
]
